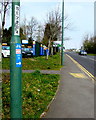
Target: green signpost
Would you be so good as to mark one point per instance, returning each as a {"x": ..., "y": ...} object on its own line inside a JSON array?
[
  {"x": 62, "y": 50},
  {"x": 16, "y": 64}
]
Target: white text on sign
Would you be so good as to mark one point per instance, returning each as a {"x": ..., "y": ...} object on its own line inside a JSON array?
[{"x": 17, "y": 20}]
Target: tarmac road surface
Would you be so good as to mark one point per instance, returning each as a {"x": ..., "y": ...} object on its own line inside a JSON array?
[{"x": 88, "y": 62}]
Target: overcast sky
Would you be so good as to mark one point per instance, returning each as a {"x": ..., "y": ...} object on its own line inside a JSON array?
[{"x": 80, "y": 16}]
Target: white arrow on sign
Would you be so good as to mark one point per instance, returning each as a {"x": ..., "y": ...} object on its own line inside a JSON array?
[{"x": 18, "y": 63}]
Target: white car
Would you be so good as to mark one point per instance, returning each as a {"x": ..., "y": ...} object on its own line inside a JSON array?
[
  {"x": 5, "y": 51},
  {"x": 82, "y": 52}
]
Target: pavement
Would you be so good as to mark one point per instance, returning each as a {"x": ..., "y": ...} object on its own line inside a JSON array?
[
  {"x": 30, "y": 71},
  {"x": 75, "y": 97}
]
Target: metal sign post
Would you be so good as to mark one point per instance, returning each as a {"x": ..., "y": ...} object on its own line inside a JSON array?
[
  {"x": 16, "y": 64},
  {"x": 62, "y": 50}
]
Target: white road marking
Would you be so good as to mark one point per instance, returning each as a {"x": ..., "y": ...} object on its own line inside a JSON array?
[{"x": 88, "y": 58}]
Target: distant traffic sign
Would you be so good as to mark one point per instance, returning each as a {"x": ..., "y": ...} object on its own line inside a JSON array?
[{"x": 24, "y": 41}]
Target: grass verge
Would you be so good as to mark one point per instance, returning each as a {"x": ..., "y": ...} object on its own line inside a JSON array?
[
  {"x": 38, "y": 91},
  {"x": 37, "y": 63},
  {"x": 92, "y": 54}
]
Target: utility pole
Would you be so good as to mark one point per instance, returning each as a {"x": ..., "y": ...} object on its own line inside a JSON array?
[
  {"x": 62, "y": 48},
  {"x": 15, "y": 64}
]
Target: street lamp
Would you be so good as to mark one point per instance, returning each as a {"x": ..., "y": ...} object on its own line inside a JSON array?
[
  {"x": 15, "y": 64},
  {"x": 62, "y": 50}
]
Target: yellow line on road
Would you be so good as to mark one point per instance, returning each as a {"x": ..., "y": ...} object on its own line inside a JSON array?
[{"x": 82, "y": 68}]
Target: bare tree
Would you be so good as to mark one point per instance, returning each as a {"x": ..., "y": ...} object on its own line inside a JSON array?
[
  {"x": 32, "y": 27},
  {"x": 53, "y": 23},
  {"x": 24, "y": 26},
  {"x": 5, "y": 5},
  {"x": 39, "y": 33}
]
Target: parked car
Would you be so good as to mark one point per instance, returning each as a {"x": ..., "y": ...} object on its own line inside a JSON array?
[
  {"x": 82, "y": 52},
  {"x": 5, "y": 51},
  {"x": 27, "y": 52}
]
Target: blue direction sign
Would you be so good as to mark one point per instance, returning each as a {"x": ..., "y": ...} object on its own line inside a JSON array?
[{"x": 18, "y": 55}]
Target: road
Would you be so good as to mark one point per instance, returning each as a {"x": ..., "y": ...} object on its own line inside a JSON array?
[{"x": 88, "y": 62}]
